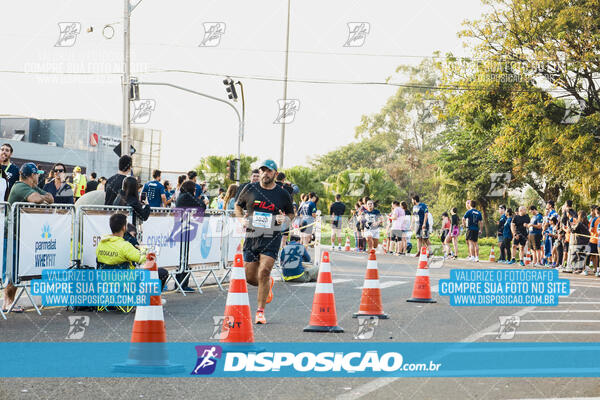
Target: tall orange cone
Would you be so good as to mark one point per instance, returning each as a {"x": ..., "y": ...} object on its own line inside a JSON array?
[
  {"x": 370, "y": 301},
  {"x": 237, "y": 324},
  {"x": 492, "y": 255},
  {"x": 323, "y": 317},
  {"x": 148, "y": 352},
  {"x": 422, "y": 290},
  {"x": 347, "y": 246}
]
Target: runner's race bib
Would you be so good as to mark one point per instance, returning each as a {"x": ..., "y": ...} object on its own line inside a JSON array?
[{"x": 262, "y": 220}]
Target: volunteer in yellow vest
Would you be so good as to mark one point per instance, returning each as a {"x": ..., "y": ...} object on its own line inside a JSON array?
[
  {"x": 79, "y": 183},
  {"x": 115, "y": 252}
]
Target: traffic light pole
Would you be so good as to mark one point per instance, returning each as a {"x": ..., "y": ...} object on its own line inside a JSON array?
[
  {"x": 126, "y": 80},
  {"x": 240, "y": 120}
]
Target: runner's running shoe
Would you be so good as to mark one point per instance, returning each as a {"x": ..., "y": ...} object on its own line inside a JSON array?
[{"x": 260, "y": 318}]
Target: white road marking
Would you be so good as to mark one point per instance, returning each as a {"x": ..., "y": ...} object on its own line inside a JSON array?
[
  {"x": 565, "y": 311},
  {"x": 387, "y": 284},
  {"x": 313, "y": 284},
  {"x": 560, "y": 320},
  {"x": 549, "y": 333}
]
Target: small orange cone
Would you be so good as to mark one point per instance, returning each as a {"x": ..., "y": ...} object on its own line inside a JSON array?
[
  {"x": 237, "y": 324},
  {"x": 527, "y": 260},
  {"x": 148, "y": 352},
  {"x": 422, "y": 290},
  {"x": 385, "y": 246},
  {"x": 492, "y": 255},
  {"x": 370, "y": 301},
  {"x": 347, "y": 246},
  {"x": 323, "y": 317}
]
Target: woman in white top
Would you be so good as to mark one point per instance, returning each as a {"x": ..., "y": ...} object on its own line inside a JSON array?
[{"x": 3, "y": 185}]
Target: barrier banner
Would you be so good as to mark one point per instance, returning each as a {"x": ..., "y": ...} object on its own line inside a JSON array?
[
  {"x": 94, "y": 227},
  {"x": 158, "y": 234},
  {"x": 205, "y": 245},
  {"x": 3, "y": 246},
  {"x": 235, "y": 233},
  {"x": 44, "y": 242}
]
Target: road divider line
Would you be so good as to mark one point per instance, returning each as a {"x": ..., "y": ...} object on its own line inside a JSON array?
[
  {"x": 387, "y": 284},
  {"x": 548, "y": 333}
]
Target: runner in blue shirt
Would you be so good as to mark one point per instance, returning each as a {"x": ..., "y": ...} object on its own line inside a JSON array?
[
  {"x": 535, "y": 236},
  {"x": 473, "y": 221},
  {"x": 307, "y": 213},
  {"x": 507, "y": 238},
  {"x": 155, "y": 191},
  {"x": 420, "y": 212}
]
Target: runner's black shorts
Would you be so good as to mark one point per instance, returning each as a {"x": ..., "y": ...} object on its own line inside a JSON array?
[
  {"x": 472, "y": 235},
  {"x": 254, "y": 247},
  {"x": 520, "y": 240}
]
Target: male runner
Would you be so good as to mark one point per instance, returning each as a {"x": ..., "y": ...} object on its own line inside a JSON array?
[{"x": 267, "y": 207}]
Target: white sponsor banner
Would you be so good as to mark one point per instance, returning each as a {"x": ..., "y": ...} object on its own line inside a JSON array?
[
  {"x": 2, "y": 225},
  {"x": 94, "y": 227},
  {"x": 44, "y": 243},
  {"x": 157, "y": 232},
  {"x": 205, "y": 239},
  {"x": 236, "y": 234}
]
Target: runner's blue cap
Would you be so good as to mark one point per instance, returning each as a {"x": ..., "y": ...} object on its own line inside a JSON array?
[
  {"x": 29, "y": 169},
  {"x": 269, "y": 164}
]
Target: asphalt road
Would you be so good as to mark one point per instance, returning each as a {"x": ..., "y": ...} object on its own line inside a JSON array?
[{"x": 190, "y": 319}]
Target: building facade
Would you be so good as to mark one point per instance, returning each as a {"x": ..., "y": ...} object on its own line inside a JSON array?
[{"x": 79, "y": 142}]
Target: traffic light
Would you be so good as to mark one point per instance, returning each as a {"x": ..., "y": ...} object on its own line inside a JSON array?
[
  {"x": 231, "y": 164},
  {"x": 230, "y": 88},
  {"x": 134, "y": 89}
]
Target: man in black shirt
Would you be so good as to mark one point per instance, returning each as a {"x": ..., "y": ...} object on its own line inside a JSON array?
[
  {"x": 336, "y": 210},
  {"x": 114, "y": 184},
  {"x": 289, "y": 187},
  {"x": 253, "y": 178},
  {"x": 92, "y": 183},
  {"x": 267, "y": 207},
  {"x": 519, "y": 231}
]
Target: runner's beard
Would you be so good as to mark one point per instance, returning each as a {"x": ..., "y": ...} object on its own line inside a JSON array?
[{"x": 265, "y": 180}]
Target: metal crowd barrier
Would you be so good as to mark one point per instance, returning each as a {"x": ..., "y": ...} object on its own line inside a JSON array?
[
  {"x": 44, "y": 243},
  {"x": 4, "y": 216}
]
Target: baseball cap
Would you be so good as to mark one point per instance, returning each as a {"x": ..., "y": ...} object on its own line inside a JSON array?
[
  {"x": 269, "y": 164},
  {"x": 77, "y": 169},
  {"x": 29, "y": 169}
]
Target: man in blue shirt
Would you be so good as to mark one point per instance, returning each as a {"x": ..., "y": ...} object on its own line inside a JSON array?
[
  {"x": 535, "y": 236},
  {"x": 473, "y": 221},
  {"x": 501, "y": 222},
  {"x": 155, "y": 191},
  {"x": 422, "y": 224},
  {"x": 550, "y": 213},
  {"x": 292, "y": 259}
]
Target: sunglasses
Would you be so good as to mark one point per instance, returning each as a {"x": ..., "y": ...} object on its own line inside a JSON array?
[{"x": 59, "y": 170}]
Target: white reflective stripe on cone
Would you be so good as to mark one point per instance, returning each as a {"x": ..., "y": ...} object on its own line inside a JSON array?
[
  {"x": 238, "y": 273},
  {"x": 237, "y": 299},
  {"x": 371, "y": 284},
  {"x": 153, "y": 274},
  {"x": 325, "y": 267},
  {"x": 324, "y": 288},
  {"x": 423, "y": 272},
  {"x": 149, "y": 313},
  {"x": 423, "y": 257},
  {"x": 372, "y": 264}
]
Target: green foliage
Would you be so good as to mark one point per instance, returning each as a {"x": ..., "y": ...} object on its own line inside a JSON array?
[{"x": 213, "y": 170}]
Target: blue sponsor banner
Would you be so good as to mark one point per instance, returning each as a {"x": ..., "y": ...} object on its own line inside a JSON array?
[
  {"x": 203, "y": 360},
  {"x": 506, "y": 287}
]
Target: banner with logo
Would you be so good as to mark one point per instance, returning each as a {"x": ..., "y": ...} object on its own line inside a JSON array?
[
  {"x": 94, "y": 227},
  {"x": 44, "y": 242},
  {"x": 205, "y": 239},
  {"x": 161, "y": 233},
  {"x": 235, "y": 233}
]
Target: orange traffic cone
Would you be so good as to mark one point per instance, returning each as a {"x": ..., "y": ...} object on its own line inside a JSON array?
[
  {"x": 323, "y": 317},
  {"x": 492, "y": 255},
  {"x": 527, "y": 260},
  {"x": 347, "y": 246},
  {"x": 237, "y": 324},
  {"x": 385, "y": 246},
  {"x": 148, "y": 352},
  {"x": 370, "y": 301},
  {"x": 422, "y": 290}
]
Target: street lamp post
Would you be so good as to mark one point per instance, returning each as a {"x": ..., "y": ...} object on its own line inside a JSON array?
[{"x": 126, "y": 79}]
